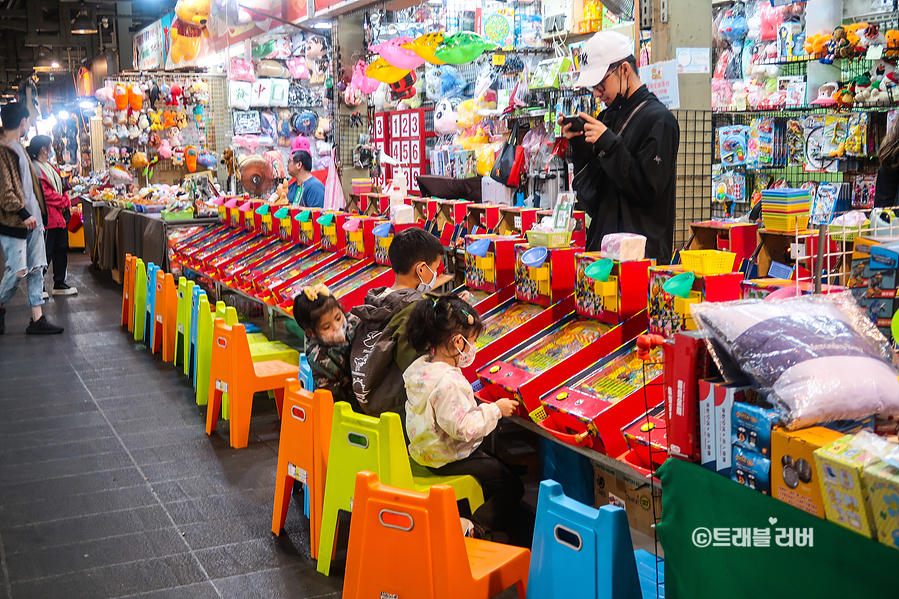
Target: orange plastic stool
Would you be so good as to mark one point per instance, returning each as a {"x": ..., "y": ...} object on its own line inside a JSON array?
[
  {"x": 127, "y": 289},
  {"x": 410, "y": 544},
  {"x": 233, "y": 371},
  {"x": 167, "y": 317},
  {"x": 303, "y": 454}
]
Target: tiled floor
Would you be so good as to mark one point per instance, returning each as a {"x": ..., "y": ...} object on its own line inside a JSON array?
[{"x": 109, "y": 486}]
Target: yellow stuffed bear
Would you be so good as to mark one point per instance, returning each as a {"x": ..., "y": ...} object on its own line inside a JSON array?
[{"x": 188, "y": 29}]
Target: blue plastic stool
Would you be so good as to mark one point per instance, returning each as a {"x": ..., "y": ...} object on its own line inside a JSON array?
[
  {"x": 150, "y": 306},
  {"x": 306, "y": 374},
  {"x": 580, "y": 551},
  {"x": 194, "y": 311}
]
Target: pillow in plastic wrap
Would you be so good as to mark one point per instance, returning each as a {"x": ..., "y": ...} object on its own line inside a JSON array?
[{"x": 817, "y": 356}]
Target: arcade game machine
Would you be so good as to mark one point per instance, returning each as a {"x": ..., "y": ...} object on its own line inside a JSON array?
[
  {"x": 356, "y": 236},
  {"x": 531, "y": 217},
  {"x": 450, "y": 221},
  {"x": 705, "y": 276},
  {"x": 616, "y": 407},
  {"x": 424, "y": 210},
  {"x": 614, "y": 314},
  {"x": 214, "y": 266},
  {"x": 513, "y": 218},
  {"x": 207, "y": 237},
  {"x": 489, "y": 270},
  {"x": 374, "y": 204},
  {"x": 543, "y": 295},
  {"x": 300, "y": 226},
  {"x": 230, "y": 273}
]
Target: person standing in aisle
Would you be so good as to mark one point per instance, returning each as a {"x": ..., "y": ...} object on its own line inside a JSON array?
[
  {"x": 305, "y": 190},
  {"x": 626, "y": 159},
  {"x": 886, "y": 191},
  {"x": 58, "y": 213},
  {"x": 21, "y": 231}
]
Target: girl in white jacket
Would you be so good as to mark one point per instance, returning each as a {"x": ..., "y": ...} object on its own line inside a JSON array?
[{"x": 444, "y": 422}]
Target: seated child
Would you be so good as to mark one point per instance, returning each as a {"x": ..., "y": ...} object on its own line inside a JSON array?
[
  {"x": 444, "y": 423},
  {"x": 380, "y": 353},
  {"x": 329, "y": 333}
]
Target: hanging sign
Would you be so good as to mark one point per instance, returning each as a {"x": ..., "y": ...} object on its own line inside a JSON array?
[
  {"x": 150, "y": 47},
  {"x": 661, "y": 79}
]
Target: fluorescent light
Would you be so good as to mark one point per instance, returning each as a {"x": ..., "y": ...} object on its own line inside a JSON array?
[
  {"x": 63, "y": 115},
  {"x": 321, "y": 25}
]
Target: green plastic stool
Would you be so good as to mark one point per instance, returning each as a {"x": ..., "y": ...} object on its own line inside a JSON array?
[
  {"x": 205, "y": 327},
  {"x": 360, "y": 442},
  {"x": 182, "y": 330},
  {"x": 140, "y": 299}
]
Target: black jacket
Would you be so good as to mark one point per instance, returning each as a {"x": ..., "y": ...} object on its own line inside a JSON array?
[
  {"x": 638, "y": 173},
  {"x": 886, "y": 190},
  {"x": 380, "y": 352}
]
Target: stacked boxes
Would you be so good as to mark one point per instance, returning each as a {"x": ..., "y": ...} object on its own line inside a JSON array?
[
  {"x": 839, "y": 466},
  {"x": 793, "y": 477}
]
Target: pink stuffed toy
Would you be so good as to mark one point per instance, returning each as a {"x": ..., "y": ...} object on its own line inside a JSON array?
[
  {"x": 165, "y": 149},
  {"x": 363, "y": 82}
]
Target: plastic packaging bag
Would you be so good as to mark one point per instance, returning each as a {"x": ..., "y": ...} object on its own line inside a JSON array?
[
  {"x": 334, "y": 199},
  {"x": 818, "y": 357},
  {"x": 486, "y": 157}
]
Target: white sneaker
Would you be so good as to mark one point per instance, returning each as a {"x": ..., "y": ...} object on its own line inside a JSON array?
[
  {"x": 63, "y": 289},
  {"x": 45, "y": 295}
]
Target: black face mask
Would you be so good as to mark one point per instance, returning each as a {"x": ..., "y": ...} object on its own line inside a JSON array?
[{"x": 622, "y": 93}]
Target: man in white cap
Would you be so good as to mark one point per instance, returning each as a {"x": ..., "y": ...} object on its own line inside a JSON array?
[{"x": 626, "y": 159}]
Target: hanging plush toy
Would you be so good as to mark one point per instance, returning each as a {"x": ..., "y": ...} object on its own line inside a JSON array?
[
  {"x": 189, "y": 29},
  {"x": 426, "y": 45},
  {"x": 121, "y": 97},
  {"x": 229, "y": 161},
  {"x": 462, "y": 47},
  {"x": 452, "y": 85},
  {"x": 433, "y": 88},
  {"x": 393, "y": 52},
  {"x": 404, "y": 88},
  {"x": 284, "y": 127},
  {"x": 143, "y": 122},
  {"x": 445, "y": 116},
  {"x": 135, "y": 97}
]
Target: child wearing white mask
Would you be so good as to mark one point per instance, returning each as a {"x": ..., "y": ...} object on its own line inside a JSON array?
[
  {"x": 444, "y": 422},
  {"x": 329, "y": 334}
]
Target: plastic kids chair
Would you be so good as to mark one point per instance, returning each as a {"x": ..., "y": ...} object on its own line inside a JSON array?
[
  {"x": 182, "y": 333},
  {"x": 579, "y": 551},
  {"x": 409, "y": 544},
  {"x": 127, "y": 291},
  {"x": 233, "y": 371},
  {"x": 360, "y": 442},
  {"x": 205, "y": 324},
  {"x": 303, "y": 454},
  {"x": 167, "y": 317},
  {"x": 140, "y": 300},
  {"x": 150, "y": 303},
  {"x": 190, "y": 366}
]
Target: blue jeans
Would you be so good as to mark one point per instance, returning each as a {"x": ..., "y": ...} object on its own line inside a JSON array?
[{"x": 26, "y": 256}]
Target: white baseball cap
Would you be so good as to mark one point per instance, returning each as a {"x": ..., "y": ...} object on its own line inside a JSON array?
[{"x": 599, "y": 53}]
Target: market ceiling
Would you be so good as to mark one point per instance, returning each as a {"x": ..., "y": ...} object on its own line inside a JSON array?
[{"x": 29, "y": 28}]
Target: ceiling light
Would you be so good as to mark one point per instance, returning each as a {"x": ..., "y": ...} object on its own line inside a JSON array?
[
  {"x": 63, "y": 115},
  {"x": 87, "y": 104},
  {"x": 322, "y": 25},
  {"x": 54, "y": 64},
  {"x": 43, "y": 64},
  {"x": 7, "y": 93},
  {"x": 83, "y": 24}
]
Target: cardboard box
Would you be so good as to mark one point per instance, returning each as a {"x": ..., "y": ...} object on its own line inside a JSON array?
[
  {"x": 752, "y": 470},
  {"x": 707, "y": 426},
  {"x": 686, "y": 363},
  {"x": 725, "y": 397},
  {"x": 794, "y": 479},
  {"x": 882, "y": 482},
  {"x": 636, "y": 501},
  {"x": 839, "y": 467},
  {"x": 752, "y": 426}
]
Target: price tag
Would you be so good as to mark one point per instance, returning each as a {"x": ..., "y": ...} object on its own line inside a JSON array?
[
  {"x": 874, "y": 52},
  {"x": 499, "y": 60}
]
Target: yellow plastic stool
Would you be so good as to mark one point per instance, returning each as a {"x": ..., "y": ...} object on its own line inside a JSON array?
[{"x": 359, "y": 442}]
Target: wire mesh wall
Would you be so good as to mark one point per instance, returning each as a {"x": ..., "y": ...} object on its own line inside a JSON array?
[{"x": 694, "y": 171}]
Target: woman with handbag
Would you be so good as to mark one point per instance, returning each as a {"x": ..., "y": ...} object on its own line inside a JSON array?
[{"x": 58, "y": 213}]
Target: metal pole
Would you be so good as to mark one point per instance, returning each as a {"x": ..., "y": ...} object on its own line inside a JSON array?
[{"x": 819, "y": 258}]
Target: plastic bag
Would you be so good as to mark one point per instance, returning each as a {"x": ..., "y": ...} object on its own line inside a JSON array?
[
  {"x": 818, "y": 357},
  {"x": 334, "y": 199}
]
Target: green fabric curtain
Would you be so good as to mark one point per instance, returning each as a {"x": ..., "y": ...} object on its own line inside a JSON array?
[{"x": 839, "y": 562}]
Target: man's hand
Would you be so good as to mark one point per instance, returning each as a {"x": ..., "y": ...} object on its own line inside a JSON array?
[
  {"x": 593, "y": 128},
  {"x": 31, "y": 223},
  {"x": 567, "y": 133}
]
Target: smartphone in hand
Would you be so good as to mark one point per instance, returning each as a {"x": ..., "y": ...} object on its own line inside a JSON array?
[{"x": 576, "y": 122}]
